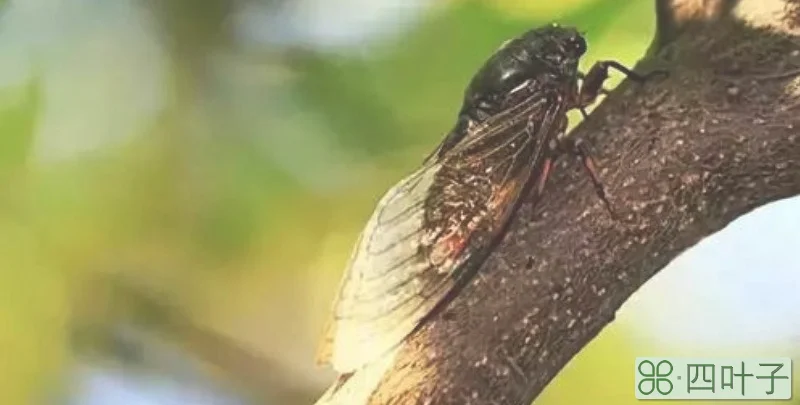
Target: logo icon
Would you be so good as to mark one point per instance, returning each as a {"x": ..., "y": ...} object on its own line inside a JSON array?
[
  {"x": 712, "y": 379},
  {"x": 655, "y": 377}
]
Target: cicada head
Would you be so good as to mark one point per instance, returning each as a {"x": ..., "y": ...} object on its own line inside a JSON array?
[{"x": 553, "y": 47}]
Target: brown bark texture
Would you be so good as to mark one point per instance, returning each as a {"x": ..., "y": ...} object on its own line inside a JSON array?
[{"x": 681, "y": 157}]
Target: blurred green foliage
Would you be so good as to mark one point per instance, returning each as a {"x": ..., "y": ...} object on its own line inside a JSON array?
[{"x": 241, "y": 199}]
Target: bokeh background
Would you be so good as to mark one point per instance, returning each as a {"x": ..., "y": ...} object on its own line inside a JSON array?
[{"x": 182, "y": 182}]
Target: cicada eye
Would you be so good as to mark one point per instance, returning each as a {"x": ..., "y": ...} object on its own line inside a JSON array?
[{"x": 578, "y": 45}]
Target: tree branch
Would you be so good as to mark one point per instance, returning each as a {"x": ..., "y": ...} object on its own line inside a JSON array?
[{"x": 681, "y": 157}]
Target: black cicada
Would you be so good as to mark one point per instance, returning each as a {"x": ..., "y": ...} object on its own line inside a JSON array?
[{"x": 430, "y": 232}]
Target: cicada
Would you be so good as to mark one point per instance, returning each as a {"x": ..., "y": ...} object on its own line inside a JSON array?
[{"x": 430, "y": 232}]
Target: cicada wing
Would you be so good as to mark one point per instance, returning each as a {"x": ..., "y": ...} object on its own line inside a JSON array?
[
  {"x": 390, "y": 285},
  {"x": 424, "y": 237}
]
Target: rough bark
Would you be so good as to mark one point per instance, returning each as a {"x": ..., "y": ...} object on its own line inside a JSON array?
[{"x": 682, "y": 157}]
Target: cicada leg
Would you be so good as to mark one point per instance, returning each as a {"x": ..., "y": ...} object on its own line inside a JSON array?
[
  {"x": 545, "y": 174},
  {"x": 591, "y": 88},
  {"x": 599, "y": 89},
  {"x": 541, "y": 180},
  {"x": 592, "y": 85},
  {"x": 578, "y": 148},
  {"x": 584, "y": 114}
]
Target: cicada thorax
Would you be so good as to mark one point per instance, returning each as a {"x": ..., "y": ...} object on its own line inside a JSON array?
[
  {"x": 503, "y": 75},
  {"x": 539, "y": 61}
]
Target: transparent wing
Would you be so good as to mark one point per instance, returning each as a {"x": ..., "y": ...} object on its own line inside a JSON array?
[
  {"x": 415, "y": 248},
  {"x": 390, "y": 284}
]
